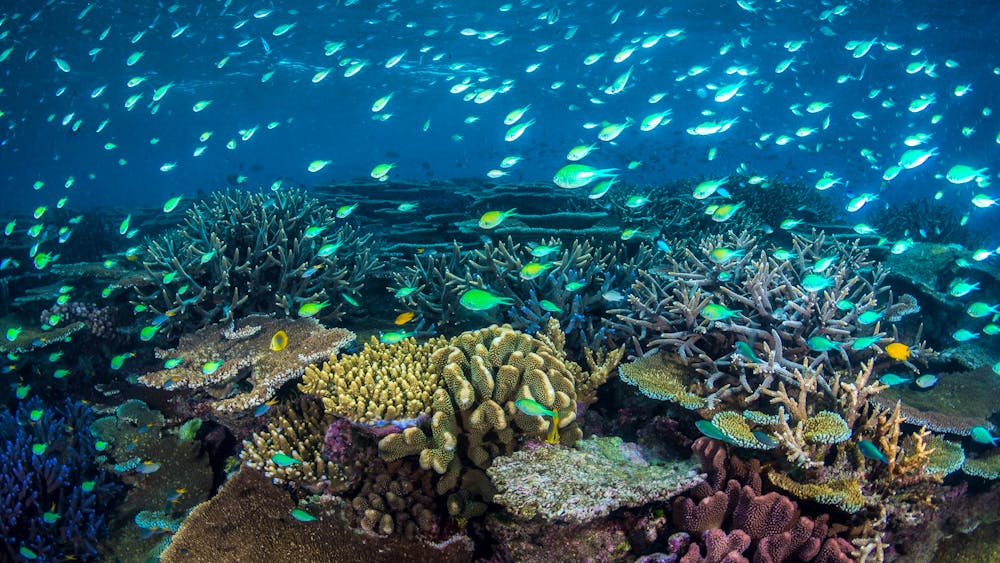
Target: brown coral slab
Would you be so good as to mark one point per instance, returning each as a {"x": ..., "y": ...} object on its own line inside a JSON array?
[{"x": 250, "y": 520}]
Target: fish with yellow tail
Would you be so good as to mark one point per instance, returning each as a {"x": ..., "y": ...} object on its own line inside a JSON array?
[
  {"x": 531, "y": 407},
  {"x": 492, "y": 219}
]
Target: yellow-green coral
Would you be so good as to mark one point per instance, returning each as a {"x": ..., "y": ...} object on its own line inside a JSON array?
[
  {"x": 825, "y": 427},
  {"x": 734, "y": 427},
  {"x": 946, "y": 457},
  {"x": 986, "y": 466},
  {"x": 844, "y": 494},
  {"x": 661, "y": 376},
  {"x": 250, "y": 372},
  {"x": 381, "y": 382}
]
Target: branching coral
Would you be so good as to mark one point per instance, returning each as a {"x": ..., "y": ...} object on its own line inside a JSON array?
[
  {"x": 580, "y": 484},
  {"x": 575, "y": 282},
  {"x": 224, "y": 360},
  {"x": 239, "y": 253},
  {"x": 290, "y": 450},
  {"x": 382, "y": 383}
]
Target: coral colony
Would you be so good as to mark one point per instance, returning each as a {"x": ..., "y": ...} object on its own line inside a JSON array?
[{"x": 735, "y": 323}]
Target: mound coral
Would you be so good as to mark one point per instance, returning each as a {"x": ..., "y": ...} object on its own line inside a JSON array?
[
  {"x": 236, "y": 363},
  {"x": 239, "y": 253}
]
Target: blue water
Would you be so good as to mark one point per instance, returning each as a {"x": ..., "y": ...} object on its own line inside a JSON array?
[{"x": 332, "y": 119}]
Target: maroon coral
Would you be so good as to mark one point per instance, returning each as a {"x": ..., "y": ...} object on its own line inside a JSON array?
[{"x": 720, "y": 547}]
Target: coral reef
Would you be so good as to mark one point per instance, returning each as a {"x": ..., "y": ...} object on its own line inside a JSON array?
[
  {"x": 396, "y": 497},
  {"x": 959, "y": 401},
  {"x": 731, "y": 504},
  {"x": 54, "y": 496},
  {"x": 235, "y": 365},
  {"x": 664, "y": 376},
  {"x": 239, "y": 253},
  {"x": 555, "y": 483},
  {"x": 228, "y": 528}
]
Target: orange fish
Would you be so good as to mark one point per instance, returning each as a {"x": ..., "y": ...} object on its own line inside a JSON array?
[
  {"x": 898, "y": 351},
  {"x": 404, "y": 318}
]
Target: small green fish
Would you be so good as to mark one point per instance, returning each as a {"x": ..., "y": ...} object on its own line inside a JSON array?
[
  {"x": 394, "y": 336},
  {"x": 716, "y": 312},
  {"x": 404, "y": 291},
  {"x": 171, "y": 363},
  {"x": 119, "y": 360},
  {"x": 575, "y": 286},
  {"x": 814, "y": 283},
  {"x": 36, "y": 415},
  {"x": 480, "y": 300},
  {"x": 822, "y": 344},
  {"x": 302, "y": 515},
  {"x": 980, "y": 309},
  {"x": 312, "y": 309},
  {"x": 533, "y": 408},
  {"x": 148, "y": 332},
  {"x": 746, "y": 351},
  {"x": 871, "y": 451},
  {"x": 864, "y": 342},
  {"x": 87, "y": 486},
  {"x": 845, "y": 305},
  {"x": 208, "y": 368},
  {"x": 22, "y": 391},
  {"x": 542, "y": 250},
  {"x": 926, "y": 381},
  {"x": 892, "y": 379},
  {"x": 284, "y": 460},
  {"x": 983, "y": 436},
  {"x": 712, "y": 431},
  {"x": 13, "y": 333},
  {"x": 549, "y": 306},
  {"x": 963, "y": 335},
  {"x": 869, "y": 317},
  {"x": 532, "y": 270},
  {"x": 51, "y": 517},
  {"x": 39, "y": 449},
  {"x": 27, "y": 553}
]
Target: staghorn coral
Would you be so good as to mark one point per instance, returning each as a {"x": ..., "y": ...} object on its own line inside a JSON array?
[
  {"x": 555, "y": 483},
  {"x": 248, "y": 373},
  {"x": 580, "y": 283},
  {"x": 473, "y": 417},
  {"x": 380, "y": 383},
  {"x": 740, "y": 315},
  {"x": 239, "y": 253},
  {"x": 298, "y": 431}
]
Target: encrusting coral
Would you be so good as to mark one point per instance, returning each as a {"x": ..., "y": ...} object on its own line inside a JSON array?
[
  {"x": 235, "y": 364},
  {"x": 599, "y": 475},
  {"x": 239, "y": 253}
]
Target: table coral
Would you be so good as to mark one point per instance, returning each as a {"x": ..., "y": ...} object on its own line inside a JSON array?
[
  {"x": 663, "y": 376},
  {"x": 250, "y": 372},
  {"x": 587, "y": 482}
]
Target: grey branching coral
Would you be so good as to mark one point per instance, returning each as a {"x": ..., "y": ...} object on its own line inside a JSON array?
[
  {"x": 239, "y": 253},
  {"x": 573, "y": 281},
  {"x": 235, "y": 365}
]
